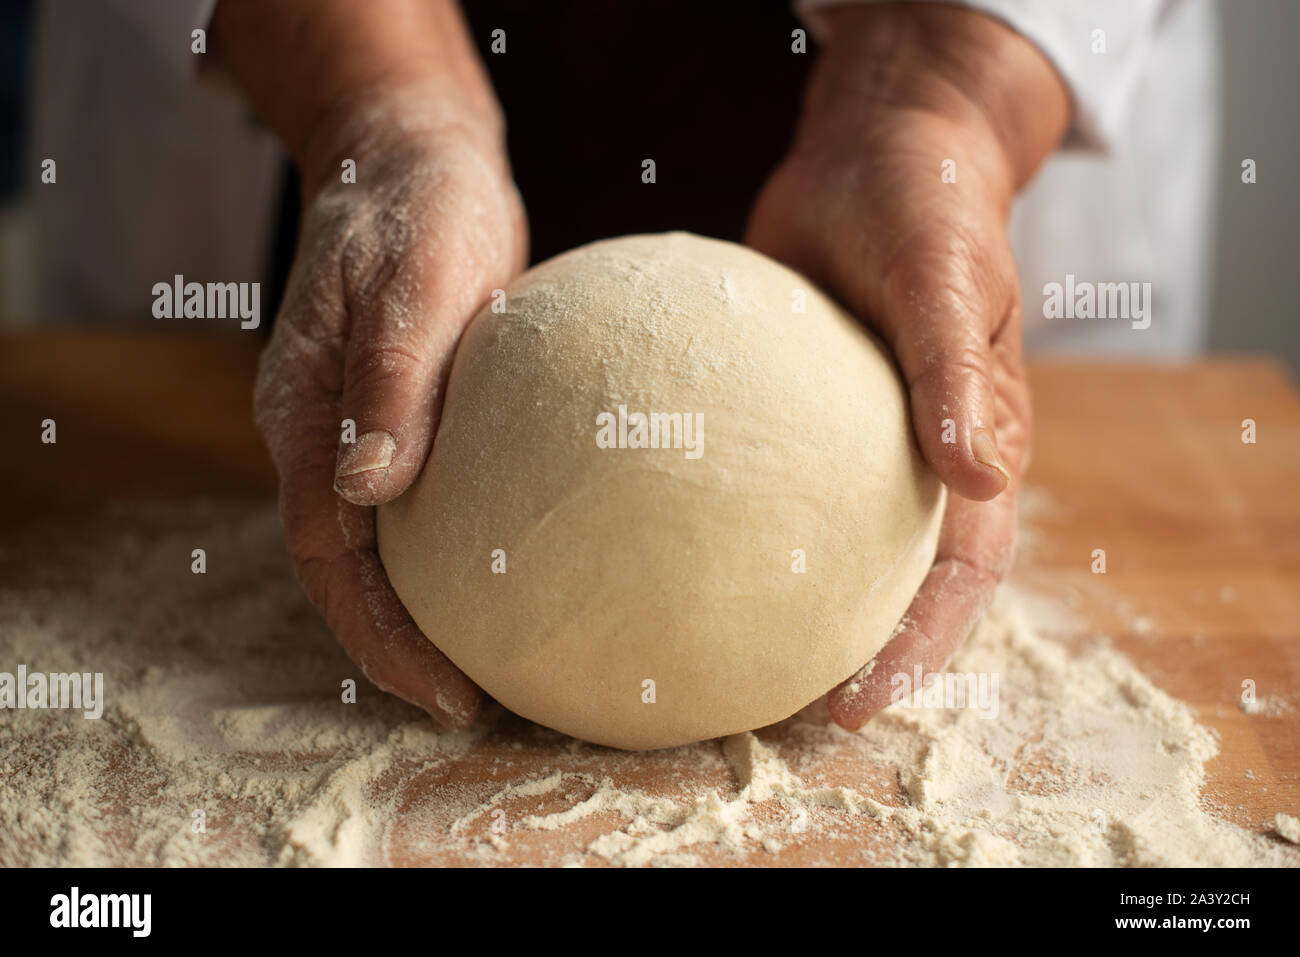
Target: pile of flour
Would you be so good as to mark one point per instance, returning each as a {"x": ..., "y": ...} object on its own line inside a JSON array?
[{"x": 225, "y": 740}]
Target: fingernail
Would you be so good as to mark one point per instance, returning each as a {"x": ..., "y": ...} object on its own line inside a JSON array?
[
  {"x": 370, "y": 452},
  {"x": 985, "y": 450}
]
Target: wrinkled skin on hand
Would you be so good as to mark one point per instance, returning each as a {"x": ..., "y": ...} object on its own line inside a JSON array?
[
  {"x": 859, "y": 206},
  {"x": 388, "y": 273}
]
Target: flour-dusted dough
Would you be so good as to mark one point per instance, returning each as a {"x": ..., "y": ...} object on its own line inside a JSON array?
[{"x": 626, "y": 566}]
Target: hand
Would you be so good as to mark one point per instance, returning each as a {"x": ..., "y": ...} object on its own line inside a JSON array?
[
  {"x": 389, "y": 271},
  {"x": 859, "y": 206}
]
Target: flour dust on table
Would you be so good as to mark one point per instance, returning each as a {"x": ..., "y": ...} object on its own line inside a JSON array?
[{"x": 225, "y": 740}]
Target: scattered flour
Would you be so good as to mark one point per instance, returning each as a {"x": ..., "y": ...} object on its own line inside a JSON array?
[
  {"x": 224, "y": 710},
  {"x": 1287, "y": 827},
  {"x": 1270, "y": 706}
]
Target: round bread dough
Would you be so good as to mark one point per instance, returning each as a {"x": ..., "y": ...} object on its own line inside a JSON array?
[{"x": 648, "y": 597}]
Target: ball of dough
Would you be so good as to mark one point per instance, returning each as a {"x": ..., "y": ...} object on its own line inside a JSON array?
[{"x": 710, "y": 568}]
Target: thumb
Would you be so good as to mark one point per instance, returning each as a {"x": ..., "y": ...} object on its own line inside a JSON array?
[
  {"x": 398, "y": 357},
  {"x": 945, "y": 295}
]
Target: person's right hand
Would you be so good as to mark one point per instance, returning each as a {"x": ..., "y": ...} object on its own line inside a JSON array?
[{"x": 389, "y": 271}]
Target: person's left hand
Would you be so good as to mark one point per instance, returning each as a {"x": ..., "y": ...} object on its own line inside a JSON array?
[{"x": 859, "y": 206}]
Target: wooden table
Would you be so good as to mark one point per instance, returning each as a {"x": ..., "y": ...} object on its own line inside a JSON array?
[{"x": 1146, "y": 462}]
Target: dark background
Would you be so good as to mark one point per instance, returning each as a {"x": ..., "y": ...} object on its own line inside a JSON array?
[
  {"x": 592, "y": 88},
  {"x": 578, "y": 86}
]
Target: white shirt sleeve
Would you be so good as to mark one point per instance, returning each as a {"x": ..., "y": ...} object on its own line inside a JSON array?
[
  {"x": 168, "y": 172},
  {"x": 169, "y": 25},
  {"x": 1098, "y": 47}
]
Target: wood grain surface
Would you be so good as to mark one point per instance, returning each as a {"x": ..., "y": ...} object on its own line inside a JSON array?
[{"x": 1201, "y": 533}]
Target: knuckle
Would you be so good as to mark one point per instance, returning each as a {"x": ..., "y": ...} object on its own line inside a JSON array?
[
  {"x": 314, "y": 575},
  {"x": 303, "y": 534},
  {"x": 295, "y": 393},
  {"x": 949, "y": 266},
  {"x": 947, "y": 370},
  {"x": 383, "y": 364}
]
